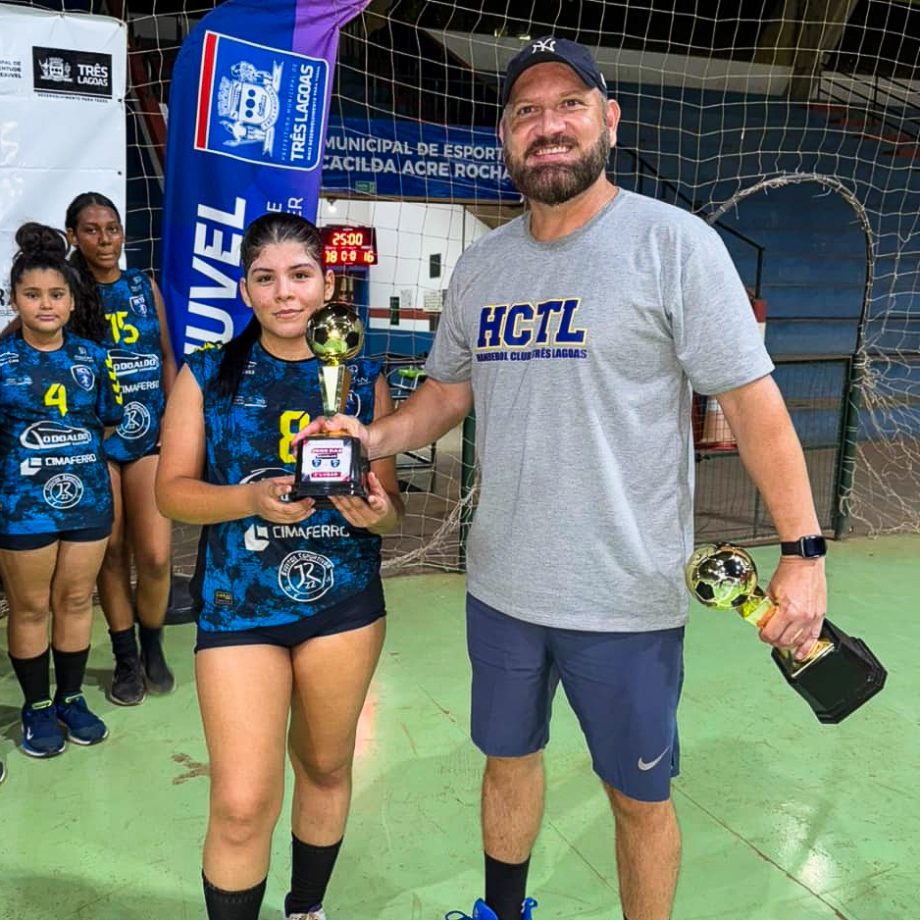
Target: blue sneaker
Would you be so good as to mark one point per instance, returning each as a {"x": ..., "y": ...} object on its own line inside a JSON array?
[
  {"x": 482, "y": 911},
  {"x": 82, "y": 726},
  {"x": 41, "y": 734}
]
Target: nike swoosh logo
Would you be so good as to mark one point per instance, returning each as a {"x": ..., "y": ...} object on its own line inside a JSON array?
[{"x": 644, "y": 766}]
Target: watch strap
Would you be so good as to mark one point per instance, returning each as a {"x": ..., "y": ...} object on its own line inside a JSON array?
[{"x": 810, "y": 547}]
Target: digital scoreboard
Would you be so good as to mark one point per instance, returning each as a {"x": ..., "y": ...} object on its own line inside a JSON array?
[{"x": 349, "y": 246}]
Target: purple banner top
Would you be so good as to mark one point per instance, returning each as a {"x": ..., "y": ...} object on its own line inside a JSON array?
[{"x": 248, "y": 113}]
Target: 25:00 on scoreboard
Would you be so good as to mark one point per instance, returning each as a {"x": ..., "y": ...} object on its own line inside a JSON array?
[{"x": 349, "y": 246}]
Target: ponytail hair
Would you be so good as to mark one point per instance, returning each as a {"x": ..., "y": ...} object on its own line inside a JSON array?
[
  {"x": 274, "y": 227},
  {"x": 89, "y": 320},
  {"x": 40, "y": 247},
  {"x": 234, "y": 358}
]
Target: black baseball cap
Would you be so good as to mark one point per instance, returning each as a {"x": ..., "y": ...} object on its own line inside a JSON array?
[{"x": 578, "y": 57}]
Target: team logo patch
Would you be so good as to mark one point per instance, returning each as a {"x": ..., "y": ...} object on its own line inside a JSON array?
[
  {"x": 261, "y": 104},
  {"x": 352, "y": 403},
  {"x": 48, "y": 435},
  {"x": 83, "y": 376},
  {"x": 63, "y": 491},
  {"x": 136, "y": 421},
  {"x": 138, "y": 305},
  {"x": 305, "y": 577}
]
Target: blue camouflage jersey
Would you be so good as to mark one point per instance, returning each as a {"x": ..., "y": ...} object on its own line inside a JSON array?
[
  {"x": 135, "y": 347},
  {"x": 251, "y": 572},
  {"x": 54, "y": 406}
]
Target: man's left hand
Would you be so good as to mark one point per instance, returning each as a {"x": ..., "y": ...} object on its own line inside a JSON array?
[{"x": 798, "y": 590}]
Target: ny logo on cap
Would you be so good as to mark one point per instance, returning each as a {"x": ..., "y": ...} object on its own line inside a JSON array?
[{"x": 547, "y": 44}]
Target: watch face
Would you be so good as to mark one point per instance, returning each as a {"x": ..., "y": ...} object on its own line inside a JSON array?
[
  {"x": 813, "y": 546},
  {"x": 807, "y": 547}
]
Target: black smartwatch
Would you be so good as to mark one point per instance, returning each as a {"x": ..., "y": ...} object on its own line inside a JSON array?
[{"x": 811, "y": 547}]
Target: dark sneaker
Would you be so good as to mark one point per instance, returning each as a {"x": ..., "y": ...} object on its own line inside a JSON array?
[
  {"x": 127, "y": 682},
  {"x": 159, "y": 677},
  {"x": 315, "y": 913},
  {"x": 41, "y": 733},
  {"x": 2, "y": 771},
  {"x": 83, "y": 726}
]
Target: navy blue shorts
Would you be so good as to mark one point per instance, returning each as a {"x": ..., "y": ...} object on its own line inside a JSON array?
[
  {"x": 623, "y": 687},
  {"x": 23, "y": 541},
  {"x": 153, "y": 452},
  {"x": 354, "y": 612}
]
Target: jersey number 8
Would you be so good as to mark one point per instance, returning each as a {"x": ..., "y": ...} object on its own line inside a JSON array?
[{"x": 286, "y": 427}]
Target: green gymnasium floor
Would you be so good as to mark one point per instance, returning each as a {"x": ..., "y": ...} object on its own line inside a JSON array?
[{"x": 783, "y": 819}]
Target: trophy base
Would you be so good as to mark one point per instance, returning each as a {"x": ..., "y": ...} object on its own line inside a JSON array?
[
  {"x": 838, "y": 682},
  {"x": 330, "y": 464}
]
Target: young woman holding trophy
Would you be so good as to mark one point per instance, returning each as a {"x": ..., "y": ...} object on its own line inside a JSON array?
[{"x": 291, "y": 608}]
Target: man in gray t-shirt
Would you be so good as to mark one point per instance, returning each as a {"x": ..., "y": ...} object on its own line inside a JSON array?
[{"x": 578, "y": 332}]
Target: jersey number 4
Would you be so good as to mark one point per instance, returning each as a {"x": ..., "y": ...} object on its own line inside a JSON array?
[{"x": 56, "y": 395}]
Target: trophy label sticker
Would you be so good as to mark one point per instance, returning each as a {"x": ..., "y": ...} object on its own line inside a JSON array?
[
  {"x": 305, "y": 577},
  {"x": 327, "y": 460}
]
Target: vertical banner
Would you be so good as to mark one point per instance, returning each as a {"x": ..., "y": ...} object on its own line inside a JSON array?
[
  {"x": 62, "y": 119},
  {"x": 248, "y": 110}
]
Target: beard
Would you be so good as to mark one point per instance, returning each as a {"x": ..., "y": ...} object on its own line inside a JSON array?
[{"x": 556, "y": 183}]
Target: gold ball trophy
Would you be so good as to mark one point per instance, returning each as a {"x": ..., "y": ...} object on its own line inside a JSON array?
[
  {"x": 332, "y": 462},
  {"x": 840, "y": 672}
]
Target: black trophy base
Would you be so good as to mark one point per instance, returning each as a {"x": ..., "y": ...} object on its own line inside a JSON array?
[
  {"x": 837, "y": 684},
  {"x": 330, "y": 464}
]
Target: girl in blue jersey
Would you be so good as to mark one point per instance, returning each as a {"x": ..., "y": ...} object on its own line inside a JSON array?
[
  {"x": 57, "y": 393},
  {"x": 290, "y": 600},
  {"x": 128, "y": 317}
]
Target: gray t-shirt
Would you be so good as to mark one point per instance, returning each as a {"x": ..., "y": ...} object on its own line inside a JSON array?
[{"x": 581, "y": 353}]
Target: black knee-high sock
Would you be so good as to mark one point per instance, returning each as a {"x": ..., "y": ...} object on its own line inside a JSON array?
[
  {"x": 150, "y": 637},
  {"x": 124, "y": 643},
  {"x": 506, "y": 887},
  {"x": 69, "y": 668},
  {"x": 232, "y": 905},
  {"x": 311, "y": 869},
  {"x": 34, "y": 676}
]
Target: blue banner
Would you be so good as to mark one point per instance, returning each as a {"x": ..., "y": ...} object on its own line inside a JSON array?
[
  {"x": 398, "y": 158},
  {"x": 247, "y": 124}
]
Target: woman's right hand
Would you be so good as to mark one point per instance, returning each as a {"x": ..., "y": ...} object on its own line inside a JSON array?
[{"x": 269, "y": 501}]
